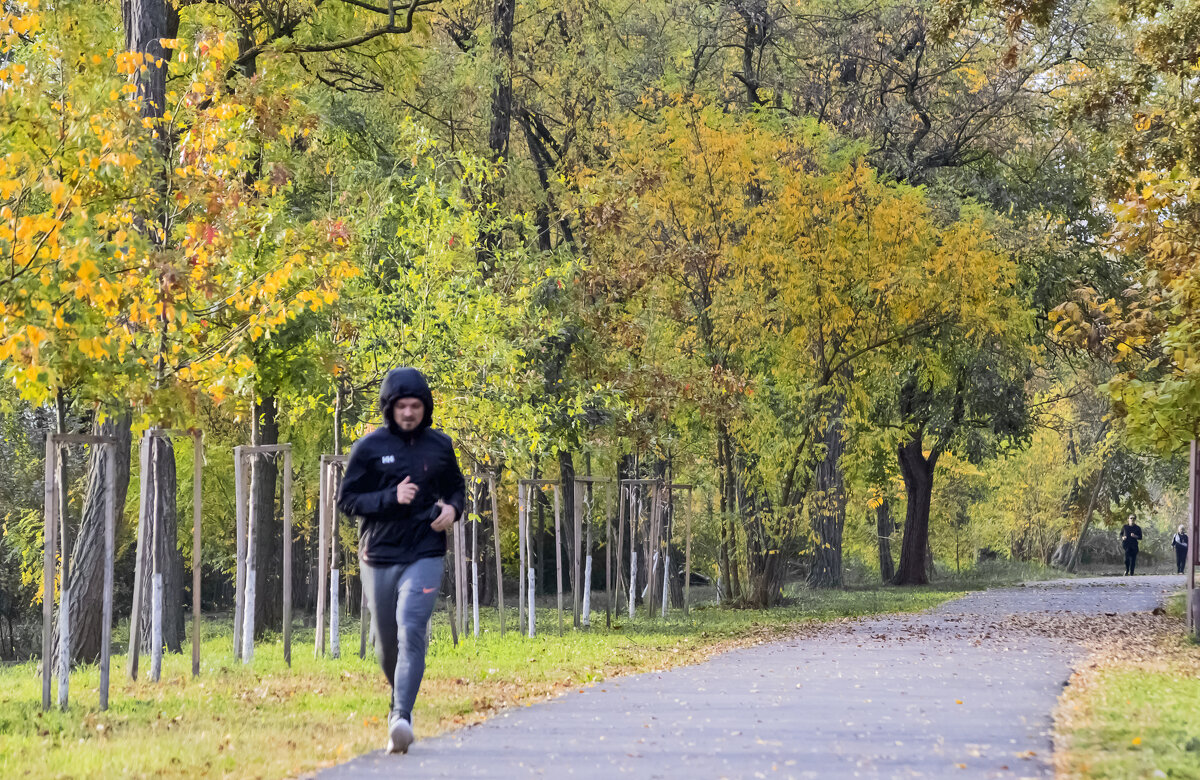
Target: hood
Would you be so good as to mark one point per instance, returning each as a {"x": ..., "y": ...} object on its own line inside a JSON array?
[{"x": 404, "y": 383}]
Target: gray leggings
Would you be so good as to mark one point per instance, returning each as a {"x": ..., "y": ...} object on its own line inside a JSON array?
[{"x": 402, "y": 597}]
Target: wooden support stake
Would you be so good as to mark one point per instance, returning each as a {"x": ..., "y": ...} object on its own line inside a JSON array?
[
  {"x": 322, "y": 558},
  {"x": 287, "y": 556},
  {"x": 521, "y": 556},
  {"x": 460, "y": 539},
  {"x": 197, "y": 503},
  {"x": 156, "y": 574},
  {"x": 475, "y": 515},
  {"x": 687, "y": 556},
  {"x": 633, "y": 524},
  {"x": 608, "y": 548},
  {"x": 531, "y": 586},
  {"x": 49, "y": 567},
  {"x": 335, "y": 602},
  {"x": 110, "y": 531},
  {"x": 1193, "y": 599},
  {"x": 251, "y": 567},
  {"x": 668, "y": 521},
  {"x": 460, "y": 534},
  {"x": 577, "y": 584},
  {"x": 139, "y": 557},
  {"x": 652, "y": 552},
  {"x": 239, "y": 583},
  {"x": 558, "y": 556},
  {"x": 499, "y": 563}
]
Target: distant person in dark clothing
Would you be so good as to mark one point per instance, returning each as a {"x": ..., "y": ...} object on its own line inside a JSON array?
[
  {"x": 1131, "y": 534},
  {"x": 1180, "y": 543}
]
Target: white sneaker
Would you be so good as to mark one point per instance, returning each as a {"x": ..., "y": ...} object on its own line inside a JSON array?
[{"x": 400, "y": 735}]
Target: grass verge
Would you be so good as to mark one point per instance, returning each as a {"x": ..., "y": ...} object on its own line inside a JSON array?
[
  {"x": 266, "y": 720},
  {"x": 1132, "y": 709}
]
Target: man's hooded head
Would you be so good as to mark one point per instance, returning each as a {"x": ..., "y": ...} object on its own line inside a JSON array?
[{"x": 405, "y": 383}]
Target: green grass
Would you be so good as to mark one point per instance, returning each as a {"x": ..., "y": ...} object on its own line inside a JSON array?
[
  {"x": 1133, "y": 711},
  {"x": 999, "y": 573},
  {"x": 1138, "y": 723},
  {"x": 266, "y": 720}
]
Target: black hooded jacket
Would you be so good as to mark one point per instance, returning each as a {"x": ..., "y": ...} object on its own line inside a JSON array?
[{"x": 390, "y": 532}]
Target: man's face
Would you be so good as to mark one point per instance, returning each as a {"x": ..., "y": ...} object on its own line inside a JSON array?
[{"x": 408, "y": 413}]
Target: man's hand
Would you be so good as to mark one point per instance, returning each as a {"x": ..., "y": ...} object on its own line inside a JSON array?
[
  {"x": 406, "y": 491},
  {"x": 446, "y": 518}
]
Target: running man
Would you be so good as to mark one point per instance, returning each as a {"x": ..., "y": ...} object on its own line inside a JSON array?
[
  {"x": 404, "y": 482},
  {"x": 1131, "y": 534}
]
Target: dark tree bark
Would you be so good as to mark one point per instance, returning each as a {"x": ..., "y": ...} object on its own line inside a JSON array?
[
  {"x": 829, "y": 517},
  {"x": 566, "y": 476},
  {"x": 87, "y": 557},
  {"x": 158, "y": 507},
  {"x": 729, "y": 508},
  {"x": 883, "y": 530},
  {"x": 758, "y": 24},
  {"x": 917, "y": 471},
  {"x": 500, "y": 126},
  {"x": 264, "y": 472},
  {"x": 147, "y": 22}
]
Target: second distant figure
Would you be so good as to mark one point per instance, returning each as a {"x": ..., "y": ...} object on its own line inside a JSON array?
[{"x": 1180, "y": 543}]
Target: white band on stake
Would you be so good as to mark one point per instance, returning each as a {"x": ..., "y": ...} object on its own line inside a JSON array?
[
  {"x": 64, "y": 646},
  {"x": 587, "y": 591},
  {"x": 156, "y": 626},
  {"x": 475, "y": 593},
  {"x": 335, "y": 639},
  {"x": 532, "y": 608},
  {"x": 632, "y": 584},
  {"x": 248, "y": 618},
  {"x": 666, "y": 589}
]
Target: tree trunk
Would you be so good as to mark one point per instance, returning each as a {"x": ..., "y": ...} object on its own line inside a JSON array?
[
  {"x": 729, "y": 509},
  {"x": 499, "y": 128},
  {"x": 147, "y": 22},
  {"x": 918, "y": 484},
  {"x": 170, "y": 561},
  {"x": 87, "y": 557},
  {"x": 829, "y": 514},
  {"x": 264, "y": 471},
  {"x": 883, "y": 530}
]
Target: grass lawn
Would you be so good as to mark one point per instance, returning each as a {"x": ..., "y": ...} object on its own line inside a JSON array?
[
  {"x": 1133, "y": 709},
  {"x": 269, "y": 721}
]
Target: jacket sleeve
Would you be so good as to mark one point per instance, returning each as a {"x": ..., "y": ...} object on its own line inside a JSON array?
[
  {"x": 454, "y": 486},
  {"x": 356, "y": 498}
]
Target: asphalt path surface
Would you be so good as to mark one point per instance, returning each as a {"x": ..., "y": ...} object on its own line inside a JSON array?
[{"x": 947, "y": 693}]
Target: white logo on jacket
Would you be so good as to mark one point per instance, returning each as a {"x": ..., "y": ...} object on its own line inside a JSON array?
[{"x": 388, "y": 459}]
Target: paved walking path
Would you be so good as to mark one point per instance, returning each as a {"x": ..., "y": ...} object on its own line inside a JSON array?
[{"x": 965, "y": 690}]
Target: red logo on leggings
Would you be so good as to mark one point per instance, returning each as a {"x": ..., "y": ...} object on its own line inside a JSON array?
[{"x": 428, "y": 590}]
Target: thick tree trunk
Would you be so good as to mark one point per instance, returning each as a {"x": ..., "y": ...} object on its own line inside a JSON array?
[
  {"x": 918, "y": 484},
  {"x": 264, "y": 472},
  {"x": 829, "y": 513},
  {"x": 500, "y": 126},
  {"x": 87, "y": 557},
  {"x": 147, "y": 22},
  {"x": 883, "y": 530},
  {"x": 170, "y": 561}
]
